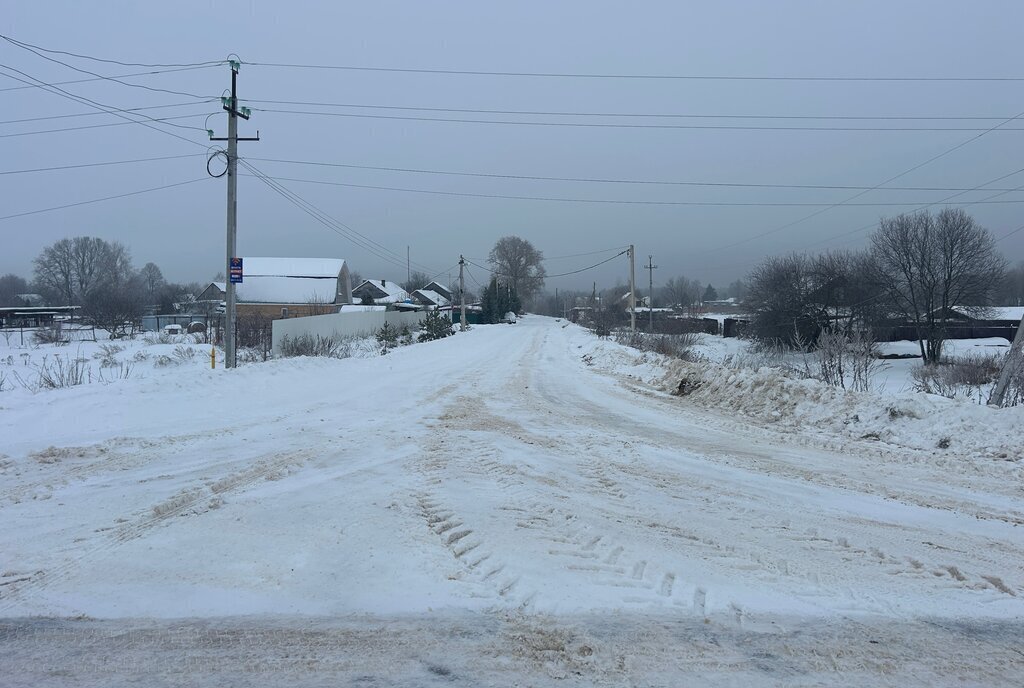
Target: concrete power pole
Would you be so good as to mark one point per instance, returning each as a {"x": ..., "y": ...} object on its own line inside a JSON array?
[
  {"x": 650, "y": 267},
  {"x": 462, "y": 293},
  {"x": 632, "y": 288},
  {"x": 231, "y": 105},
  {"x": 1013, "y": 360}
]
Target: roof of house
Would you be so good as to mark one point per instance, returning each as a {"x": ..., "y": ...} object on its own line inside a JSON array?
[
  {"x": 431, "y": 297},
  {"x": 393, "y": 293},
  {"x": 223, "y": 286},
  {"x": 439, "y": 288},
  {"x": 1014, "y": 313},
  {"x": 290, "y": 280},
  {"x": 292, "y": 267}
]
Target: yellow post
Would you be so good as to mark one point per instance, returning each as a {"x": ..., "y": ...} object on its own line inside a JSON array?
[{"x": 213, "y": 357}]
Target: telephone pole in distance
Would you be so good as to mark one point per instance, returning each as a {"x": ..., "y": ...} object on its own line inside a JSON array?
[{"x": 650, "y": 267}]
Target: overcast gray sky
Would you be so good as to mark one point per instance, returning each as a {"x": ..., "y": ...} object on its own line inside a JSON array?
[{"x": 182, "y": 229}]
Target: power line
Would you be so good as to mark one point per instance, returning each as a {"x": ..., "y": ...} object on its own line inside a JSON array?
[
  {"x": 871, "y": 225},
  {"x": 24, "y": 46},
  {"x": 98, "y": 200},
  {"x": 682, "y": 77},
  {"x": 335, "y": 225},
  {"x": 727, "y": 204},
  {"x": 625, "y": 115},
  {"x": 611, "y": 125},
  {"x": 117, "y": 62},
  {"x": 117, "y": 112},
  {"x": 846, "y": 202},
  {"x": 93, "y": 114},
  {"x": 562, "y": 274},
  {"x": 599, "y": 180},
  {"x": 588, "y": 253},
  {"x": 118, "y": 76},
  {"x": 1010, "y": 234},
  {"x": 109, "y": 124},
  {"x": 100, "y": 164}
]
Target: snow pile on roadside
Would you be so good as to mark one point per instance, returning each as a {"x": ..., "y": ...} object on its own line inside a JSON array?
[{"x": 771, "y": 395}]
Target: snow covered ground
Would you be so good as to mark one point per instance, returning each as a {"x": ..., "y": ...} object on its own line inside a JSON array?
[{"x": 515, "y": 505}]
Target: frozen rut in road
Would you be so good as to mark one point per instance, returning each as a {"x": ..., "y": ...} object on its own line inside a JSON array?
[{"x": 507, "y": 478}]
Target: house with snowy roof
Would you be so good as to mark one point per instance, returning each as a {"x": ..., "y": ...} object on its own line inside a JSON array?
[
  {"x": 379, "y": 292},
  {"x": 290, "y": 287},
  {"x": 438, "y": 288},
  {"x": 431, "y": 298}
]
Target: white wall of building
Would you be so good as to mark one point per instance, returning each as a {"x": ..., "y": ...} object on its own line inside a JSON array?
[{"x": 340, "y": 325}]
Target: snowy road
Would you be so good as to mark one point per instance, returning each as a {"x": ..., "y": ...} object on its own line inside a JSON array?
[{"x": 510, "y": 491}]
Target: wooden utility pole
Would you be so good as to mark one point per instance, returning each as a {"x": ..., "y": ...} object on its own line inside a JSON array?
[
  {"x": 650, "y": 267},
  {"x": 632, "y": 289},
  {"x": 230, "y": 104},
  {"x": 462, "y": 293}
]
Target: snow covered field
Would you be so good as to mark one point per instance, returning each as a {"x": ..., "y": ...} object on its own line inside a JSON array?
[{"x": 515, "y": 505}]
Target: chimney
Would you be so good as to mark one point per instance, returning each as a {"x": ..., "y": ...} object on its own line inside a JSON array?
[{"x": 383, "y": 283}]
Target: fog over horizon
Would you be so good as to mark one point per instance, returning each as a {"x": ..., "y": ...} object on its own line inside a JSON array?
[{"x": 560, "y": 142}]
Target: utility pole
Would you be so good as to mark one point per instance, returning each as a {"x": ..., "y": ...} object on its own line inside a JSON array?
[
  {"x": 632, "y": 289},
  {"x": 650, "y": 267},
  {"x": 230, "y": 104},
  {"x": 462, "y": 293},
  {"x": 408, "y": 265},
  {"x": 1013, "y": 360}
]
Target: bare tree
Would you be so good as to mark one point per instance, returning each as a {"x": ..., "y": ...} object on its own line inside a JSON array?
[
  {"x": 71, "y": 269},
  {"x": 417, "y": 280},
  {"x": 929, "y": 265},
  {"x": 153, "y": 280},
  {"x": 682, "y": 292},
  {"x": 518, "y": 264},
  {"x": 10, "y": 286},
  {"x": 115, "y": 306},
  {"x": 54, "y": 272},
  {"x": 781, "y": 296},
  {"x": 1011, "y": 288}
]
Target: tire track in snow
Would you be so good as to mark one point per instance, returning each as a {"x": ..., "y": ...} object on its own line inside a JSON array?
[{"x": 159, "y": 513}]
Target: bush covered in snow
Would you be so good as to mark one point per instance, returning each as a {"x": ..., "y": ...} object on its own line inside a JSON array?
[{"x": 435, "y": 326}]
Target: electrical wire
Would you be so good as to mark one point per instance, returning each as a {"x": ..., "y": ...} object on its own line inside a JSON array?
[
  {"x": 847, "y": 202},
  {"x": 599, "y": 180},
  {"x": 681, "y": 77},
  {"x": 588, "y": 253},
  {"x": 99, "y": 164},
  {"x": 93, "y": 114},
  {"x": 611, "y": 125},
  {"x": 101, "y": 76},
  {"x": 1010, "y": 234},
  {"x": 871, "y": 225},
  {"x": 335, "y": 225},
  {"x": 100, "y": 59},
  {"x": 117, "y": 112},
  {"x": 624, "y": 115},
  {"x": 109, "y": 124},
  {"x": 562, "y": 274},
  {"x": 98, "y": 200},
  {"x": 472, "y": 277},
  {"x": 118, "y": 76},
  {"x": 613, "y": 201}
]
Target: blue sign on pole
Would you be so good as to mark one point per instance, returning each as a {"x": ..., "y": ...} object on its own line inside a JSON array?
[{"x": 235, "y": 271}]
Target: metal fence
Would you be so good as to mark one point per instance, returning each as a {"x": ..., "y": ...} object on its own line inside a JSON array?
[{"x": 341, "y": 325}]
